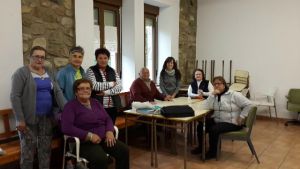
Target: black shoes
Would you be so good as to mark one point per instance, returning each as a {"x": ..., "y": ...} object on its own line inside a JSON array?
[
  {"x": 196, "y": 151},
  {"x": 210, "y": 155}
]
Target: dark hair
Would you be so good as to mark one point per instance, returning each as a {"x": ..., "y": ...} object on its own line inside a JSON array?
[
  {"x": 177, "y": 72},
  {"x": 103, "y": 51},
  {"x": 78, "y": 49},
  {"x": 37, "y": 48},
  {"x": 222, "y": 80},
  {"x": 194, "y": 72},
  {"x": 80, "y": 81}
]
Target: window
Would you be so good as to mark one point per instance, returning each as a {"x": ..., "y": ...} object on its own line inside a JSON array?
[
  {"x": 107, "y": 29},
  {"x": 151, "y": 13}
]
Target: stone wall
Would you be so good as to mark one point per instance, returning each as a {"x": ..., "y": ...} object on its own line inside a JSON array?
[
  {"x": 51, "y": 24},
  {"x": 187, "y": 38}
]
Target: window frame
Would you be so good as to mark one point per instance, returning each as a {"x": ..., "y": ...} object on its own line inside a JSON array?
[
  {"x": 152, "y": 12},
  {"x": 115, "y": 6}
]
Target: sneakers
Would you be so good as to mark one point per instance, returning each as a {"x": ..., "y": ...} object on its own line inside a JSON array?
[{"x": 197, "y": 150}]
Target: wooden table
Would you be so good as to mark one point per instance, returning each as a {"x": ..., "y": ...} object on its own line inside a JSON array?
[{"x": 197, "y": 106}]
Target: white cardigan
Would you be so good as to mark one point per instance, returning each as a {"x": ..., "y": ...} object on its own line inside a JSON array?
[{"x": 231, "y": 106}]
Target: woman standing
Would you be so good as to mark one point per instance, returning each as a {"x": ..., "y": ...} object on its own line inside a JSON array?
[
  {"x": 106, "y": 83},
  {"x": 86, "y": 119},
  {"x": 199, "y": 88},
  {"x": 34, "y": 95},
  {"x": 170, "y": 76},
  {"x": 73, "y": 71}
]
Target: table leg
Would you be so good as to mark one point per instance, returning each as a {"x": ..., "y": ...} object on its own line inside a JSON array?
[
  {"x": 203, "y": 138},
  {"x": 155, "y": 143},
  {"x": 126, "y": 136},
  {"x": 195, "y": 132},
  {"x": 185, "y": 144},
  {"x": 152, "y": 141}
]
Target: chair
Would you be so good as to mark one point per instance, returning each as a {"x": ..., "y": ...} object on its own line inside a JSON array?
[
  {"x": 266, "y": 99},
  {"x": 75, "y": 154},
  {"x": 242, "y": 135},
  {"x": 245, "y": 92},
  {"x": 293, "y": 105},
  {"x": 241, "y": 80}
]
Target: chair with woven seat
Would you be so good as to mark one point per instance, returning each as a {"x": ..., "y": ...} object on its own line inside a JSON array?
[
  {"x": 243, "y": 134},
  {"x": 293, "y": 105}
]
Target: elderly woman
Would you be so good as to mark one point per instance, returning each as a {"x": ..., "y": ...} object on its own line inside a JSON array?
[
  {"x": 106, "y": 83},
  {"x": 230, "y": 109},
  {"x": 200, "y": 87},
  {"x": 86, "y": 119},
  {"x": 73, "y": 71},
  {"x": 170, "y": 76},
  {"x": 34, "y": 97}
]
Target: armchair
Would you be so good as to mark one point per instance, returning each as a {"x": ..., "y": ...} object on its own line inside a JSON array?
[{"x": 293, "y": 105}]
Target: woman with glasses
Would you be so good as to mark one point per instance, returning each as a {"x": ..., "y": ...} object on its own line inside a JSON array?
[
  {"x": 35, "y": 98},
  {"x": 200, "y": 87},
  {"x": 86, "y": 119},
  {"x": 230, "y": 109},
  {"x": 170, "y": 76}
]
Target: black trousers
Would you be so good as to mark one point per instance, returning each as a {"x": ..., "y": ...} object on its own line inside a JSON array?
[
  {"x": 96, "y": 154},
  {"x": 214, "y": 130},
  {"x": 112, "y": 112}
]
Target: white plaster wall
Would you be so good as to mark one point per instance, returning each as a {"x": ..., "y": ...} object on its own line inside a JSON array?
[
  {"x": 262, "y": 37},
  {"x": 11, "y": 47},
  {"x": 132, "y": 40},
  {"x": 168, "y": 31},
  {"x": 84, "y": 28}
]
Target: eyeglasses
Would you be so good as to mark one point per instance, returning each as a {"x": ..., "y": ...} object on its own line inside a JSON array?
[
  {"x": 83, "y": 88},
  {"x": 39, "y": 57},
  {"x": 217, "y": 83}
]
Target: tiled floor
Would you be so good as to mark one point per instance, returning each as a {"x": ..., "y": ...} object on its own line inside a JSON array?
[{"x": 277, "y": 146}]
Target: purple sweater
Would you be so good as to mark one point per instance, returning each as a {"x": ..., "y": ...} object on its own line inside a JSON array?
[{"x": 77, "y": 120}]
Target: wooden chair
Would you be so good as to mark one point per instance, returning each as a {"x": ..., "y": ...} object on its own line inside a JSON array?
[{"x": 241, "y": 80}]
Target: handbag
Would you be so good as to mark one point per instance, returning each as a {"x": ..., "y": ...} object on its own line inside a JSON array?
[{"x": 177, "y": 111}]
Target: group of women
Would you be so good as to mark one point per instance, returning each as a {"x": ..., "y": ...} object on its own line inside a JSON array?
[
  {"x": 89, "y": 103},
  {"x": 38, "y": 94}
]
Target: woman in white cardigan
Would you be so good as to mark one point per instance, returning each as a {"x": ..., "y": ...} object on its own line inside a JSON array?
[{"x": 230, "y": 109}]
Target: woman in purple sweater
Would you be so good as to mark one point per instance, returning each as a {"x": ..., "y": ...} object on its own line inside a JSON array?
[{"x": 86, "y": 119}]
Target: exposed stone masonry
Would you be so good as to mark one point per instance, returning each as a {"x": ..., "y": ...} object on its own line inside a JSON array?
[
  {"x": 187, "y": 38},
  {"x": 51, "y": 24}
]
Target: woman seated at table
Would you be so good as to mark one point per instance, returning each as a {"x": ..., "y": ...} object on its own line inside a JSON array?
[
  {"x": 230, "y": 109},
  {"x": 199, "y": 88},
  {"x": 86, "y": 119}
]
